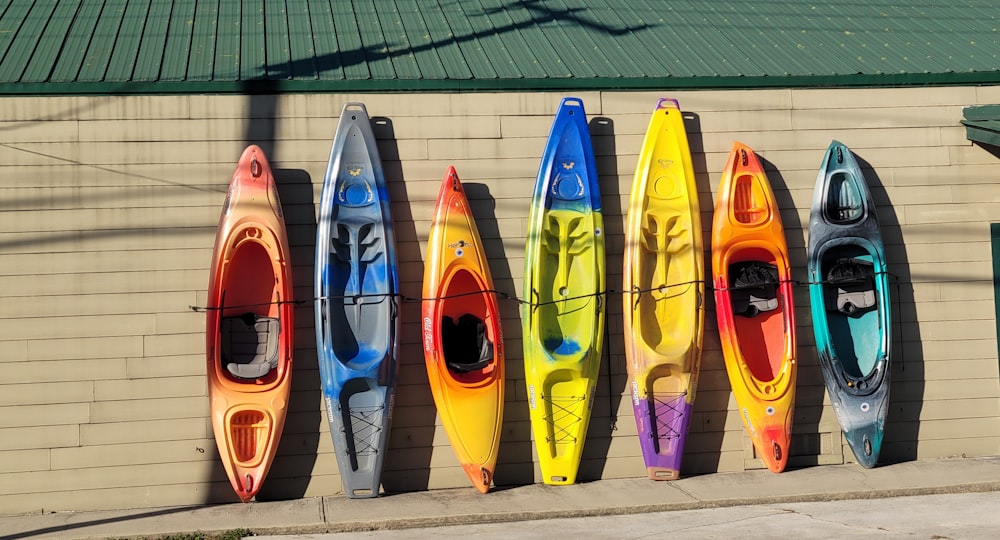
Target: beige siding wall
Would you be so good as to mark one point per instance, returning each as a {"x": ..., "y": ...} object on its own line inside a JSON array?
[{"x": 110, "y": 207}]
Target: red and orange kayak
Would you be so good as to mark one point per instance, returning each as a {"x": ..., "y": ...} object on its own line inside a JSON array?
[
  {"x": 249, "y": 325},
  {"x": 463, "y": 342},
  {"x": 753, "y": 303}
]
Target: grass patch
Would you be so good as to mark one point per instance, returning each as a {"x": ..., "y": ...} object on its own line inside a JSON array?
[{"x": 234, "y": 534}]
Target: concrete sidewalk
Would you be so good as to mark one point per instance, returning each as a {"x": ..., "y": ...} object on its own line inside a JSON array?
[{"x": 465, "y": 506}]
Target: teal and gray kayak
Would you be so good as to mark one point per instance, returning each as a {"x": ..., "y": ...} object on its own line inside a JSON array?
[{"x": 849, "y": 293}]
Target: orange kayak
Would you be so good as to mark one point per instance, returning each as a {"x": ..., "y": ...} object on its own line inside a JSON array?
[
  {"x": 249, "y": 325},
  {"x": 463, "y": 342},
  {"x": 753, "y": 303}
]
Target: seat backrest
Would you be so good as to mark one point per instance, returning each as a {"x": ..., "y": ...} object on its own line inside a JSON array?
[{"x": 250, "y": 345}]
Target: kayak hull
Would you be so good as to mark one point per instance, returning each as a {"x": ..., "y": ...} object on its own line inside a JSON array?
[
  {"x": 356, "y": 308},
  {"x": 664, "y": 292},
  {"x": 754, "y": 305},
  {"x": 462, "y": 336},
  {"x": 850, "y": 303},
  {"x": 564, "y": 280},
  {"x": 249, "y": 326}
]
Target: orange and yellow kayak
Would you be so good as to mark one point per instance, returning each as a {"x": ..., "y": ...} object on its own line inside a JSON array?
[
  {"x": 463, "y": 342},
  {"x": 753, "y": 304},
  {"x": 249, "y": 325}
]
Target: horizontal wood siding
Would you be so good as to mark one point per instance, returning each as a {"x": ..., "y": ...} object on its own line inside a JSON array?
[{"x": 110, "y": 207}]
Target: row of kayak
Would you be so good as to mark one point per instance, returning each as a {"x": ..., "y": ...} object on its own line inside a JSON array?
[{"x": 249, "y": 323}]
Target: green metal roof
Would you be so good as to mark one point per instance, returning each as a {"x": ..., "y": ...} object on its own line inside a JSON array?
[{"x": 161, "y": 46}]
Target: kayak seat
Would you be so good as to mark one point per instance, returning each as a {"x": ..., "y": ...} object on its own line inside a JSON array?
[
  {"x": 466, "y": 346},
  {"x": 250, "y": 345},
  {"x": 753, "y": 287},
  {"x": 850, "y": 287}
]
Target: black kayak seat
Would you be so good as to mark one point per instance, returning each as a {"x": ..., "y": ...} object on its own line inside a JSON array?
[
  {"x": 466, "y": 345},
  {"x": 850, "y": 287},
  {"x": 250, "y": 345},
  {"x": 753, "y": 287}
]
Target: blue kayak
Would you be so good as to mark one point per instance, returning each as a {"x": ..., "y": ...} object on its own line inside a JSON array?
[
  {"x": 849, "y": 294},
  {"x": 357, "y": 323}
]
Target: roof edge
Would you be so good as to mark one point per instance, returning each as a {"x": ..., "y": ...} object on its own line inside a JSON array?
[{"x": 498, "y": 85}]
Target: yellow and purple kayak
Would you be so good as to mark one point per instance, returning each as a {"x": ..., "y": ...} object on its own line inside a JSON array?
[
  {"x": 563, "y": 321},
  {"x": 664, "y": 291},
  {"x": 462, "y": 337},
  {"x": 249, "y": 328},
  {"x": 753, "y": 304}
]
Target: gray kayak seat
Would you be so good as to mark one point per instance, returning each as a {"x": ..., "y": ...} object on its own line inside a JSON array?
[
  {"x": 753, "y": 287},
  {"x": 250, "y": 345},
  {"x": 466, "y": 347},
  {"x": 850, "y": 287}
]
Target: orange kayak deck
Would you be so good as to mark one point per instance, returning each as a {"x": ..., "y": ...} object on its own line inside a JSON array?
[
  {"x": 249, "y": 326},
  {"x": 462, "y": 337},
  {"x": 754, "y": 306}
]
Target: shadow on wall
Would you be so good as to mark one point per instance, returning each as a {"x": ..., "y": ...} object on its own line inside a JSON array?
[
  {"x": 703, "y": 446},
  {"x": 295, "y": 461},
  {"x": 906, "y": 394},
  {"x": 411, "y": 437},
  {"x": 807, "y": 438},
  {"x": 612, "y": 377},
  {"x": 515, "y": 464}
]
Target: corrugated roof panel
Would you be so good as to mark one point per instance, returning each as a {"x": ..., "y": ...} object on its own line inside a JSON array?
[
  {"x": 151, "y": 49},
  {"x": 19, "y": 51},
  {"x": 300, "y": 42},
  {"x": 496, "y": 48},
  {"x": 47, "y": 46},
  {"x": 278, "y": 62},
  {"x": 375, "y": 45},
  {"x": 253, "y": 48},
  {"x": 441, "y": 43},
  {"x": 621, "y": 54},
  {"x": 11, "y": 21},
  {"x": 204, "y": 35},
  {"x": 46, "y": 50},
  {"x": 95, "y": 63},
  {"x": 553, "y": 27},
  {"x": 327, "y": 56},
  {"x": 351, "y": 55},
  {"x": 178, "y": 46},
  {"x": 122, "y": 62},
  {"x": 685, "y": 42},
  {"x": 484, "y": 61},
  {"x": 524, "y": 25},
  {"x": 410, "y": 39},
  {"x": 402, "y": 48},
  {"x": 78, "y": 38},
  {"x": 226, "y": 64}
]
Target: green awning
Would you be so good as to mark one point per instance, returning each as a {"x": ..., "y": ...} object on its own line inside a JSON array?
[{"x": 982, "y": 124}]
